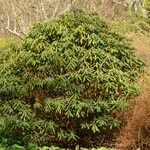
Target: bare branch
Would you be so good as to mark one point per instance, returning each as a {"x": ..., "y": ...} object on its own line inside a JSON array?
[
  {"x": 44, "y": 12},
  {"x": 15, "y": 33},
  {"x": 12, "y": 31},
  {"x": 55, "y": 11}
]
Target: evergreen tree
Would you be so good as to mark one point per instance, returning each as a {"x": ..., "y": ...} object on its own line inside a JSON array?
[{"x": 66, "y": 80}]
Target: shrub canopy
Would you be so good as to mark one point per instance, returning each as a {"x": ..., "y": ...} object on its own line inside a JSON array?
[{"x": 66, "y": 81}]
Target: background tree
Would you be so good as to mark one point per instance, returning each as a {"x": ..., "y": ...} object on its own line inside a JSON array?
[{"x": 18, "y": 15}]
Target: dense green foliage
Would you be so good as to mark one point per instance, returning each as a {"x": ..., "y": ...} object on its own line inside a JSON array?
[{"x": 66, "y": 81}]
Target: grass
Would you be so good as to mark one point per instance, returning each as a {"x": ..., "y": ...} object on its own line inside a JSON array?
[
  {"x": 135, "y": 132},
  {"x": 5, "y": 44},
  {"x": 5, "y": 41},
  {"x": 142, "y": 44}
]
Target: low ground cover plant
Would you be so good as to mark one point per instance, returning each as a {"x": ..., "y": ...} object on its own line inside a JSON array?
[
  {"x": 65, "y": 82},
  {"x": 35, "y": 147}
]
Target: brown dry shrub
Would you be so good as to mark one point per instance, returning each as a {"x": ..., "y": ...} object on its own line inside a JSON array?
[{"x": 135, "y": 132}]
